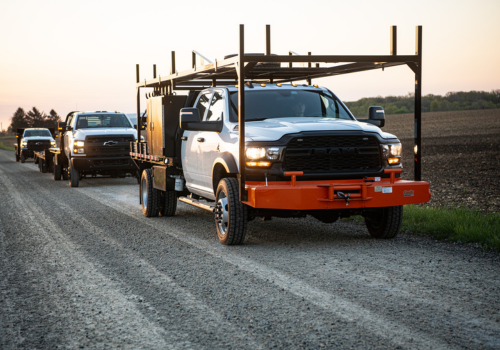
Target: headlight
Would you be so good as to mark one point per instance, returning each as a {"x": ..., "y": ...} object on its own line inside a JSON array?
[
  {"x": 23, "y": 144},
  {"x": 392, "y": 153},
  {"x": 53, "y": 143},
  {"x": 79, "y": 143},
  {"x": 271, "y": 153},
  {"x": 256, "y": 153}
]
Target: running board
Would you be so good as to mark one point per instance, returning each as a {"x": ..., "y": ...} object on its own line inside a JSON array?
[{"x": 197, "y": 203}]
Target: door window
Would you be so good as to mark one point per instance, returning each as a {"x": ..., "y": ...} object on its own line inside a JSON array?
[
  {"x": 216, "y": 107},
  {"x": 203, "y": 103}
]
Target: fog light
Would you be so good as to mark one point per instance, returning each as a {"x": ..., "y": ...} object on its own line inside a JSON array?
[{"x": 393, "y": 160}]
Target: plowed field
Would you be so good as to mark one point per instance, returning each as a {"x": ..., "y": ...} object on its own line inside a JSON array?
[{"x": 460, "y": 156}]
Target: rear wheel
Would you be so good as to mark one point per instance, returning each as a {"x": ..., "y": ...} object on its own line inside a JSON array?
[
  {"x": 57, "y": 172},
  {"x": 150, "y": 197},
  {"x": 385, "y": 222},
  {"x": 74, "y": 175},
  {"x": 23, "y": 158},
  {"x": 168, "y": 203},
  {"x": 230, "y": 213}
]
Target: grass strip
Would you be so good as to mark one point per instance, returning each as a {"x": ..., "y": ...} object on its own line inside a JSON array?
[
  {"x": 6, "y": 147},
  {"x": 454, "y": 224}
]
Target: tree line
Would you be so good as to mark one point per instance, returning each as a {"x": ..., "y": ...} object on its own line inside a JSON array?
[
  {"x": 452, "y": 101},
  {"x": 33, "y": 119}
]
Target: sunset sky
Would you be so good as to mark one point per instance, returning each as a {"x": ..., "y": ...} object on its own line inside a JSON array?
[{"x": 69, "y": 55}]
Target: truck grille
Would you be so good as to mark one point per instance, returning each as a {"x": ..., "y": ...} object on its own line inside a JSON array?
[
  {"x": 333, "y": 154},
  {"x": 108, "y": 146},
  {"x": 34, "y": 145}
]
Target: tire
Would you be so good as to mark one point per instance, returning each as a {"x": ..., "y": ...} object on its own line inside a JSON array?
[
  {"x": 57, "y": 172},
  {"x": 150, "y": 196},
  {"x": 230, "y": 214},
  {"x": 17, "y": 157},
  {"x": 385, "y": 224},
  {"x": 23, "y": 158},
  {"x": 64, "y": 173},
  {"x": 168, "y": 203},
  {"x": 74, "y": 175}
]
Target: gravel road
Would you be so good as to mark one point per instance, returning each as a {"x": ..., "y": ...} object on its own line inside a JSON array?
[{"x": 83, "y": 268}]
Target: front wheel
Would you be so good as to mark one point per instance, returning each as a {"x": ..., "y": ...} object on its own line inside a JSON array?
[
  {"x": 385, "y": 222},
  {"x": 23, "y": 158},
  {"x": 230, "y": 213}
]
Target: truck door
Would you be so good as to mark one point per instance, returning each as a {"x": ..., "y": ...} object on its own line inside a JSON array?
[
  {"x": 210, "y": 141},
  {"x": 191, "y": 148}
]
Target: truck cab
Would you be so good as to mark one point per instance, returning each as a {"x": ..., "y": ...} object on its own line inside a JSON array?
[
  {"x": 96, "y": 143},
  {"x": 288, "y": 128}
]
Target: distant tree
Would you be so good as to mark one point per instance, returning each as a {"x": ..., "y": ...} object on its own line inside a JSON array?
[
  {"x": 52, "y": 119},
  {"x": 18, "y": 120},
  {"x": 35, "y": 118}
]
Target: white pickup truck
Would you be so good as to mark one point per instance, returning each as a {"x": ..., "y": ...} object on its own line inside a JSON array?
[
  {"x": 30, "y": 140},
  {"x": 305, "y": 154},
  {"x": 93, "y": 143}
]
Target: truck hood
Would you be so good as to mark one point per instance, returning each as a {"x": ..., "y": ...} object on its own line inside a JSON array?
[
  {"x": 274, "y": 129},
  {"x": 80, "y": 134}
]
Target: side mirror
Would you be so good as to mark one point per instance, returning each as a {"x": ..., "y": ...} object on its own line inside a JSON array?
[
  {"x": 376, "y": 113},
  {"x": 61, "y": 126},
  {"x": 188, "y": 115},
  {"x": 135, "y": 126},
  {"x": 69, "y": 128}
]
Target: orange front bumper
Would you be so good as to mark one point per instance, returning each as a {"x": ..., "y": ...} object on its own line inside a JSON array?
[{"x": 311, "y": 195}]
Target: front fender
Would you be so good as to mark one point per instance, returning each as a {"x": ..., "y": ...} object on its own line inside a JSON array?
[{"x": 226, "y": 159}]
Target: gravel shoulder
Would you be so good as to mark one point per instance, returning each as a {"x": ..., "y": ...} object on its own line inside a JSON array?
[{"x": 82, "y": 267}]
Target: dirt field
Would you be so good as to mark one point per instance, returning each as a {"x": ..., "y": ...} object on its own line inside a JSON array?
[{"x": 460, "y": 158}]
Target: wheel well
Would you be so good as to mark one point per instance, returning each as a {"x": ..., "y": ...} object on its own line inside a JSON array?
[{"x": 218, "y": 174}]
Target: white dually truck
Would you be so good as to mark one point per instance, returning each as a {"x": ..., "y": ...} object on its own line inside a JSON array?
[{"x": 252, "y": 145}]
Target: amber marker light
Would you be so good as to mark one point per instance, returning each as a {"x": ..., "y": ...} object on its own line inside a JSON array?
[
  {"x": 393, "y": 160},
  {"x": 294, "y": 85},
  {"x": 278, "y": 85},
  {"x": 262, "y": 85},
  {"x": 258, "y": 163}
]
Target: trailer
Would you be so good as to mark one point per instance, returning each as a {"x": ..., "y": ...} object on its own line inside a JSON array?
[{"x": 248, "y": 141}]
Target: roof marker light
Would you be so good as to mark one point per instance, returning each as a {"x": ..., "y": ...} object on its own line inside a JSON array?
[
  {"x": 278, "y": 85},
  {"x": 294, "y": 85},
  {"x": 262, "y": 85},
  {"x": 316, "y": 85}
]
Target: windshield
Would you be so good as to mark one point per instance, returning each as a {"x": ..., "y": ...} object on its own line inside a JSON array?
[
  {"x": 102, "y": 121},
  {"x": 33, "y": 133},
  {"x": 288, "y": 103}
]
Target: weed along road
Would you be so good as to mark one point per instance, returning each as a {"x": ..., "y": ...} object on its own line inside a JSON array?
[{"x": 82, "y": 267}]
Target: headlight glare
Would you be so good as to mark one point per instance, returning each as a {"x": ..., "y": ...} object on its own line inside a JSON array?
[
  {"x": 79, "y": 143},
  {"x": 255, "y": 153},
  {"x": 396, "y": 150}
]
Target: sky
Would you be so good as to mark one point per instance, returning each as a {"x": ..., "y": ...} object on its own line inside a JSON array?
[{"x": 81, "y": 55}]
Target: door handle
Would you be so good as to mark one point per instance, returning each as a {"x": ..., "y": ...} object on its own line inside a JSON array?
[
  {"x": 200, "y": 139},
  {"x": 184, "y": 138}
]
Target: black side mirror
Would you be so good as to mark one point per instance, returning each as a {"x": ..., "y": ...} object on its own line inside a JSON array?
[
  {"x": 61, "y": 126},
  {"x": 376, "y": 113},
  {"x": 69, "y": 128},
  {"x": 188, "y": 115},
  {"x": 135, "y": 126}
]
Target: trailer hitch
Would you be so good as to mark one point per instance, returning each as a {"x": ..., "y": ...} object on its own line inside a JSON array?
[{"x": 344, "y": 196}]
